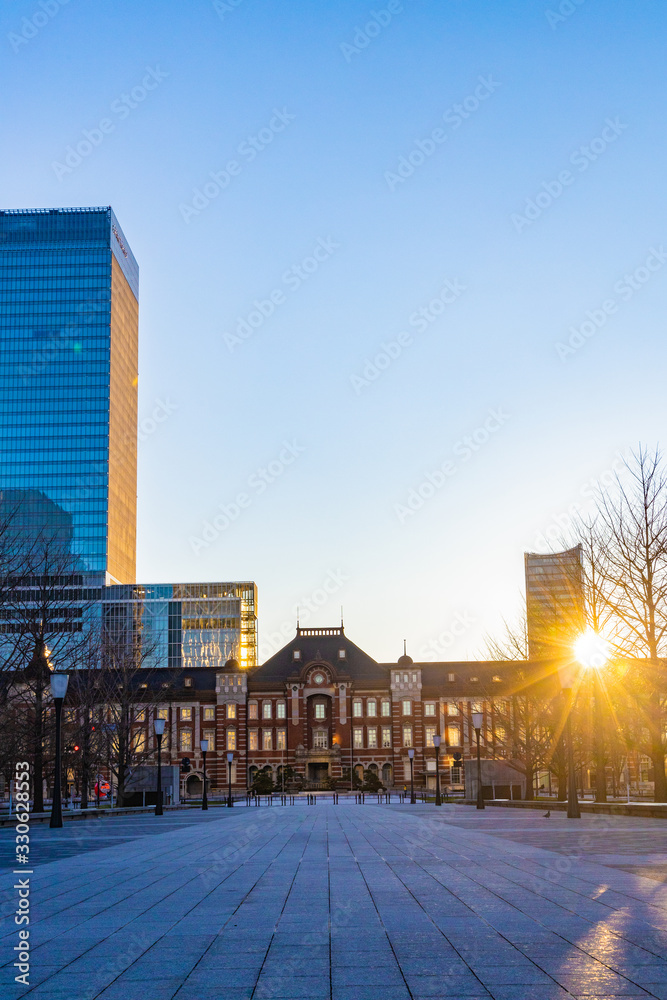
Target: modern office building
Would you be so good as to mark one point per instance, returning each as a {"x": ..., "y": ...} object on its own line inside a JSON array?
[
  {"x": 68, "y": 385},
  {"x": 185, "y": 626},
  {"x": 555, "y": 605}
]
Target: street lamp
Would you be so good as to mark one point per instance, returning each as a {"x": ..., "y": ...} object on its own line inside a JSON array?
[
  {"x": 436, "y": 744},
  {"x": 159, "y": 732},
  {"x": 567, "y": 675},
  {"x": 230, "y": 758},
  {"x": 204, "y": 748},
  {"x": 411, "y": 755},
  {"x": 59, "y": 682},
  {"x": 477, "y": 722}
]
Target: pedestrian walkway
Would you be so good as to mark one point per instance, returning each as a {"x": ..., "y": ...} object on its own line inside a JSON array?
[{"x": 349, "y": 902}]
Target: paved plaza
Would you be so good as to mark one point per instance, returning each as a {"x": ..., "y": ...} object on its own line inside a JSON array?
[{"x": 345, "y": 902}]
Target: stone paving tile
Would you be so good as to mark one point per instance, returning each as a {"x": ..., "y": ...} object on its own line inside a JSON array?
[{"x": 350, "y": 904}]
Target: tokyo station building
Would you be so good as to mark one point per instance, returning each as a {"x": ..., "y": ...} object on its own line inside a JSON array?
[{"x": 321, "y": 706}]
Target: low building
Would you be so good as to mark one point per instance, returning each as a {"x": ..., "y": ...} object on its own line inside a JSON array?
[{"x": 321, "y": 707}]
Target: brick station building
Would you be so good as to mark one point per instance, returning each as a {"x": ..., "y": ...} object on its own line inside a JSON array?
[{"x": 321, "y": 706}]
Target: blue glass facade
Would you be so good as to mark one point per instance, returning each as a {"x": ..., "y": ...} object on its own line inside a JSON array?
[
  {"x": 187, "y": 625},
  {"x": 68, "y": 359}
]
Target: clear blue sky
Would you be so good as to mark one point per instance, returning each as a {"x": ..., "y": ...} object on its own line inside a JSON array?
[{"x": 335, "y": 110}]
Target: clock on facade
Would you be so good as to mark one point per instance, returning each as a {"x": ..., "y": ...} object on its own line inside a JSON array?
[{"x": 318, "y": 678}]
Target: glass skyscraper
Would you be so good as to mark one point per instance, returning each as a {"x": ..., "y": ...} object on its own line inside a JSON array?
[
  {"x": 68, "y": 384},
  {"x": 187, "y": 625}
]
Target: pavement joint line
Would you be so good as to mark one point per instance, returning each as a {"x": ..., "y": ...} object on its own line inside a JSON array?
[
  {"x": 137, "y": 916},
  {"x": 414, "y": 877},
  {"x": 533, "y": 917},
  {"x": 370, "y": 892},
  {"x": 250, "y": 890}
]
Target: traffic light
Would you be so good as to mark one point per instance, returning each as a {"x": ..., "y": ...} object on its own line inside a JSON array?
[{"x": 185, "y": 765}]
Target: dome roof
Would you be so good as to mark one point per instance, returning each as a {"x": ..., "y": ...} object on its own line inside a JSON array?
[
  {"x": 232, "y": 664},
  {"x": 405, "y": 660}
]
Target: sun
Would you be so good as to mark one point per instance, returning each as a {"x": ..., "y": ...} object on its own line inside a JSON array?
[{"x": 592, "y": 650}]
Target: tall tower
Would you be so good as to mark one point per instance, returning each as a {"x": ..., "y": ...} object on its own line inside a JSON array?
[
  {"x": 555, "y": 604},
  {"x": 69, "y": 288}
]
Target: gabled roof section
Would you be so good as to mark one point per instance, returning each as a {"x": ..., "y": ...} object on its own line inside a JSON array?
[{"x": 320, "y": 644}]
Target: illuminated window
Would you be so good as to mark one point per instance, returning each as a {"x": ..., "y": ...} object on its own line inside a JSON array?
[
  {"x": 496, "y": 679},
  {"x": 231, "y": 739},
  {"x": 186, "y": 715},
  {"x": 429, "y": 733},
  {"x": 341, "y": 654},
  {"x": 267, "y": 739},
  {"x": 162, "y": 713},
  {"x": 187, "y": 682},
  {"x": 320, "y": 710},
  {"x": 266, "y": 710},
  {"x": 69, "y": 715},
  {"x": 320, "y": 739},
  {"x": 139, "y": 741},
  {"x": 253, "y": 740},
  {"x": 451, "y": 678},
  {"x": 429, "y": 708},
  {"x": 477, "y": 706},
  {"x": 209, "y": 713},
  {"x": 231, "y": 711},
  {"x": 372, "y": 735},
  {"x": 406, "y": 706},
  {"x": 414, "y": 678},
  {"x": 357, "y": 708},
  {"x": 407, "y": 736},
  {"x": 371, "y": 708},
  {"x": 209, "y": 734},
  {"x": 296, "y": 654},
  {"x": 281, "y": 739},
  {"x": 281, "y": 710},
  {"x": 358, "y": 738},
  {"x": 386, "y": 736},
  {"x": 474, "y": 679},
  {"x": 186, "y": 739},
  {"x": 405, "y": 678},
  {"x": 252, "y": 710},
  {"x": 455, "y": 775},
  {"x": 453, "y": 736},
  {"x": 141, "y": 715},
  {"x": 386, "y": 708},
  {"x": 501, "y": 734}
]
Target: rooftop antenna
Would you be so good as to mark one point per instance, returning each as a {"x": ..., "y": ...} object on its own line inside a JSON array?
[
  {"x": 297, "y": 617},
  {"x": 342, "y": 626},
  {"x": 405, "y": 647}
]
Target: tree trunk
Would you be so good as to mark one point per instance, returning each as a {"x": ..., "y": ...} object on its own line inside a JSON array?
[
  {"x": 530, "y": 781},
  {"x": 561, "y": 775},
  {"x": 659, "y": 776}
]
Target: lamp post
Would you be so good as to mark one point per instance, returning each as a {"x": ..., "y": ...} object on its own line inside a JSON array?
[
  {"x": 159, "y": 732},
  {"x": 59, "y": 682},
  {"x": 204, "y": 749},
  {"x": 477, "y": 722},
  {"x": 230, "y": 758},
  {"x": 567, "y": 675},
  {"x": 411, "y": 755},
  {"x": 436, "y": 744}
]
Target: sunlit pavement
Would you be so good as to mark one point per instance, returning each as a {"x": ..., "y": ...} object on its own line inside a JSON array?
[{"x": 345, "y": 902}]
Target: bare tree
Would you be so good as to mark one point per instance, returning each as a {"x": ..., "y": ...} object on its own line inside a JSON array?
[
  {"x": 631, "y": 531},
  {"x": 45, "y": 611},
  {"x": 128, "y": 695}
]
